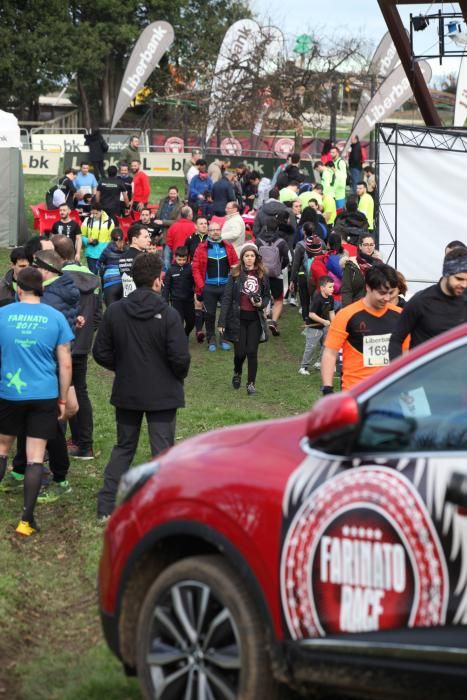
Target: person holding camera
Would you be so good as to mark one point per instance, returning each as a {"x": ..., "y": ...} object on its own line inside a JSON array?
[{"x": 242, "y": 319}]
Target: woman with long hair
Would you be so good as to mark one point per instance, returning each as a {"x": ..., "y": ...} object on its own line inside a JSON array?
[{"x": 242, "y": 319}]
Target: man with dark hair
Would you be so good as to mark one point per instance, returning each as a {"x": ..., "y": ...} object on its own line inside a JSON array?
[
  {"x": 139, "y": 241},
  {"x": 110, "y": 191},
  {"x": 66, "y": 192},
  {"x": 131, "y": 152},
  {"x": 68, "y": 227},
  {"x": 355, "y": 161},
  {"x": 141, "y": 186},
  {"x": 169, "y": 209},
  {"x": 18, "y": 261},
  {"x": 90, "y": 311},
  {"x": 35, "y": 376},
  {"x": 126, "y": 180},
  {"x": 435, "y": 309},
  {"x": 453, "y": 244},
  {"x": 362, "y": 330},
  {"x": 199, "y": 185},
  {"x": 141, "y": 339}
]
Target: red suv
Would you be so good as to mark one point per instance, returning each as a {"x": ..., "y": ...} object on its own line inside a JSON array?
[{"x": 324, "y": 551}]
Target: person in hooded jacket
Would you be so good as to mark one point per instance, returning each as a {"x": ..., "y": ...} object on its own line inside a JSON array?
[
  {"x": 242, "y": 319},
  {"x": 269, "y": 239},
  {"x": 329, "y": 264},
  {"x": 109, "y": 267},
  {"x": 141, "y": 339},
  {"x": 271, "y": 207},
  {"x": 98, "y": 147},
  {"x": 90, "y": 309},
  {"x": 18, "y": 260}
]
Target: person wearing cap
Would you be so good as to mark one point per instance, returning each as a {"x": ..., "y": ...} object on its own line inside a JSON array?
[
  {"x": 435, "y": 309},
  {"x": 35, "y": 375},
  {"x": 242, "y": 319},
  {"x": 304, "y": 254}
]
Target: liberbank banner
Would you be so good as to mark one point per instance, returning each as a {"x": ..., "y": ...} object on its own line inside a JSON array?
[
  {"x": 155, "y": 40},
  {"x": 391, "y": 95}
]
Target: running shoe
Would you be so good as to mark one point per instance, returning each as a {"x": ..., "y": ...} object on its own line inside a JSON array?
[
  {"x": 273, "y": 328},
  {"x": 250, "y": 389},
  {"x": 225, "y": 346},
  {"x": 103, "y": 519},
  {"x": 293, "y": 301},
  {"x": 236, "y": 381},
  {"x": 317, "y": 365},
  {"x": 304, "y": 371},
  {"x": 53, "y": 492},
  {"x": 12, "y": 482},
  {"x": 200, "y": 336},
  {"x": 26, "y": 528},
  {"x": 77, "y": 453},
  {"x": 212, "y": 347}
]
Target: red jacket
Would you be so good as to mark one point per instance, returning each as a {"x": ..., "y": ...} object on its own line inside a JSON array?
[
  {"x": 200, "y": 263},
  {"x": 141, "y": 187},
  {"x": 178, "y": 233}
]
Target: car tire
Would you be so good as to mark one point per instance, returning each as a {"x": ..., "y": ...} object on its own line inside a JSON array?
[{"x": 199, "y": 631}]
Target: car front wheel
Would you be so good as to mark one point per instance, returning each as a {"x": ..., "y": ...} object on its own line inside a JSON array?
[{"x": 200, "y": 636}]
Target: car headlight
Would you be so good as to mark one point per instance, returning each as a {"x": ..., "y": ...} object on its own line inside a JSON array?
[{"x": 134, "y": 479}]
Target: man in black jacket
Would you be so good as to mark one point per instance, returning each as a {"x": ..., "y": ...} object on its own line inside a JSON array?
[{"x": 141, "y": 339}]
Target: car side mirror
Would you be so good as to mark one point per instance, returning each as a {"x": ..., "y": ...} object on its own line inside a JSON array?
[{"x": 331, "y": 416}]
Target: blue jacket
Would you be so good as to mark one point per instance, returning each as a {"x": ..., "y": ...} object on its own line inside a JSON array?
[
  {"x": 199, "y": 187},
  {"x": 62, "y": 294},
  {"x": 108, "y": 265},
  {"x": 222, "y": 192}
]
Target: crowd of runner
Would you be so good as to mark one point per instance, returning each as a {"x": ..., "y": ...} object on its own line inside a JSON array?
[{"x": 221, "y": 260}]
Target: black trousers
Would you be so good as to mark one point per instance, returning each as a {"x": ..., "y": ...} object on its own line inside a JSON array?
[
  {"x": 59, "y": 462},
  {"x": 212, "y": 295},
  {"x": 247, "y": 347},
  {"x": 98, "y": 167},
  {"x": 186, "y": 309},
  {"x": 81, "y": 424},
  {"x": 113, "y": 293},
  {"x": 304, "y": 294},
  {"x": 161, "y": 428}
]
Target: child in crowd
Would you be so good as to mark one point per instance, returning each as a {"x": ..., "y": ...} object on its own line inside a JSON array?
[
  {"x": 179, "y": 288},
  {"x": 108, "y": 267},
  {"x": 320, "y": 317}
]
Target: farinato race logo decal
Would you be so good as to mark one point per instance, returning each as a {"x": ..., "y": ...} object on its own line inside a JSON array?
[{"x": 361, "y": 555}]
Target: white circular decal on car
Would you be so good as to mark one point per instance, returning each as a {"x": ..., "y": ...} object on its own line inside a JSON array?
[{"x": 361, "y": 554}]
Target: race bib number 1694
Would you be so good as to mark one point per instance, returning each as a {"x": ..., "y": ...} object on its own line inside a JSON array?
[{"x": 376, "y": 350}]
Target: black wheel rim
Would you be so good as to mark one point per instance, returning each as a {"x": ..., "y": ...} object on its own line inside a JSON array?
[{"x": 194, "y": 647}]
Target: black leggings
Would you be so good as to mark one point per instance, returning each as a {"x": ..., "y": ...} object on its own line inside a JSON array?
[
  {"x": 112, "y": 293},
  {"x": 247, "y": 347}
]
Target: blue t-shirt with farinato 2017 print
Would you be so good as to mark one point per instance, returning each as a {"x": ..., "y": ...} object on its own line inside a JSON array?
[{"x": 29, "y": 335}]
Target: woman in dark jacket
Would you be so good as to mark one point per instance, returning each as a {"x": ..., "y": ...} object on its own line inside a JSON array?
[{"x": 242, "y": 319}]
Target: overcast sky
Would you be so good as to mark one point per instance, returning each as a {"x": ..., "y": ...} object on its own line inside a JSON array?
[{"x": 296, "y": 17}]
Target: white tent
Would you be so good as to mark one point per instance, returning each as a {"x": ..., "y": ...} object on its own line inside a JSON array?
[{"x": 13, "y": 230}]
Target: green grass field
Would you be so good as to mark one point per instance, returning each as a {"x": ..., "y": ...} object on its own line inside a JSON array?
[{"x": 51, "y": 645}]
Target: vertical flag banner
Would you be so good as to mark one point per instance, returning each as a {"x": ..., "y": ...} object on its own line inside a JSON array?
[
  {"x": 237, "y": 50},
  {"x": 392, "y": 94},
  {"x": 154, "y": 41},
  {"x": 460, "y": 110},
  {"x": 385, "y": 59}
]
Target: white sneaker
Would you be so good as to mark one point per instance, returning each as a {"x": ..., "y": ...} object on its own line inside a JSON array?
[
  {"x": 317, "y": 365},
  {"x": 292, "y": 301},
  {"x": 303, "y": 371}
]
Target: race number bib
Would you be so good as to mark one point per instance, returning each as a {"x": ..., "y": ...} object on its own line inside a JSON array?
[
  {"x": 376, "y": 350},
  {"x": 128, "y": 284}
]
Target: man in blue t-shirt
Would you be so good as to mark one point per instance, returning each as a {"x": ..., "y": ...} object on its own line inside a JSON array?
[
  {"x": 84, "y": 182},
  {"x": 35, "y": 375}
]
